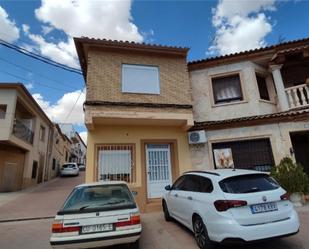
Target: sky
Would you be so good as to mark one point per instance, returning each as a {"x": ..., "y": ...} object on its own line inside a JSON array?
[{"x": 208, "y": 28}]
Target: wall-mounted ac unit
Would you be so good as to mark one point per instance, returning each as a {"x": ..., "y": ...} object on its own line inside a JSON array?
[{"x": 197, "y": 137}]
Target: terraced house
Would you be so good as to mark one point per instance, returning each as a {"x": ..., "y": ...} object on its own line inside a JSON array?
[
  {"x": 253, "y": 107},
  {"x": 138, "y": 109},
  {"x": 249, "y": 109}
]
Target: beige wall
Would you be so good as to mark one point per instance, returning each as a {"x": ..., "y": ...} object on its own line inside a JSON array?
[
  {"x": 278, "y": 133},
  {"x": 7, "y": 97},
  {"x": 203, "y": 104},
  {"x": 104, "y": 77}
]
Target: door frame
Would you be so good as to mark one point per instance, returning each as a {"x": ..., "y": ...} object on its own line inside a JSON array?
[{"x": 174, "y": 162}]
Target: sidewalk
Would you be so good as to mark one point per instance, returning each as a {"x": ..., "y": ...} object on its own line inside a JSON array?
[{"x": 41, "y": 201}]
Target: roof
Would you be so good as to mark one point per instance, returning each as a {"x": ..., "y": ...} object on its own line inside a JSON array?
[
  {"x": 198, "y": 64},
  {"x": 286, "y": 116},
  {"x": 224, "y": 173},
  {"x": 81, "y": 139},
  {"x": 101, "y": 183},
  {"x": 82, "y": 43},
  {"x": 22, "y": 89}
]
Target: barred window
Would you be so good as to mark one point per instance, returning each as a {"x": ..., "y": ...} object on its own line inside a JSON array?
[{"x": 116, "y": 162}]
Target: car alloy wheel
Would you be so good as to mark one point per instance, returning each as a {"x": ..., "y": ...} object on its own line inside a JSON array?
[{"x": 200, "y": 234}]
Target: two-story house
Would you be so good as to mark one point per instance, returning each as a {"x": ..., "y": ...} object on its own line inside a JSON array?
[
  {"x": 138, "y": 109},
  {"x": 24, "y": 139},
  {"x": 253, "y": 107}
]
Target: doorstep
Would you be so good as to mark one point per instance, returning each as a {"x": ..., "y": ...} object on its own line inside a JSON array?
[{"x": 153, "y": 205}]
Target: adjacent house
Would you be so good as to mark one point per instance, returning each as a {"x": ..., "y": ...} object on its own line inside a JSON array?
[
  {"x": 253, "y": 107},
  {"x": 24, "y": 139},
  {"x": 138, "y": 109}
]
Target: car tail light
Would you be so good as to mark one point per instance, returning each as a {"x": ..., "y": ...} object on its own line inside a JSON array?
[
  {"x": 58, "y": 227},
  {"x": 284, "y": 197},
  {"x": 223, "y": 205},
  {"x": 134, "y": 220}
]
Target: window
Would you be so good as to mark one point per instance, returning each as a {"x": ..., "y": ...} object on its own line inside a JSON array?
[
  {"x": 116, "y": 162},
  {"x": 34, "y": 169},
  {"x": 262, "y": 85},
  {"x": 227, "y": 89},
  {"x": 140, "y": 79},
  {"x": 42, "y": 133},
  {"x": 179, "y": 184},
  {"x": 2, "y": 111},
  {"x": 54, "y": 164},
  {"x": 248, "y": 184}
]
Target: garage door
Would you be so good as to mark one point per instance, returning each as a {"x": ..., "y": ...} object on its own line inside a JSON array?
[{"x": 248, "y": 154}]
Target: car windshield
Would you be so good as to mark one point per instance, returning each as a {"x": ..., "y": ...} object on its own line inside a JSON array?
[
  {"x": 248, "y": 184},
  {"x": 99, "y": 198},
  {"x": 68, "y": 166}
]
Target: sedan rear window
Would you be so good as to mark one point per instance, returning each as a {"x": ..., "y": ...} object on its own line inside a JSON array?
[
  {"x": 248, "y": 184},
  {"x": 99, "y": 198},
  {"x": 68, "y": 166}
]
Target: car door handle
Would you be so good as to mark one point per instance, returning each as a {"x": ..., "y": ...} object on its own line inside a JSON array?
[
  {"x": 190, "y": 198},
  {"x": 176, "y": 195}
]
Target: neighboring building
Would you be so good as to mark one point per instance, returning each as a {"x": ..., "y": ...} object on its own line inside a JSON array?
[
  {"x": 78, "y": 146},
  {"x": 60, "y": 152},
  {"x": 25, "y": 131},
  {"x": 253, "y": 107},
  {"x": 138, "y": 109}
]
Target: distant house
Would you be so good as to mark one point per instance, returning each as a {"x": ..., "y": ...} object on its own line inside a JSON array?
[
  {"x": 78, "y": 146},
  {"x": 24, "y": 139}
]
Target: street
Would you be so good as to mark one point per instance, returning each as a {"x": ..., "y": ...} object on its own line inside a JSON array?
[{"x": 34, "y": 210}]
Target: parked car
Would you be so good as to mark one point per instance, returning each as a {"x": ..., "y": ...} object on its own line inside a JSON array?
[
  {"x": 82, "y": 167},
  {"x": 97, "y": 215},
  {"x": 230, "y": 206},
  {"x": 69, "y": 169}
]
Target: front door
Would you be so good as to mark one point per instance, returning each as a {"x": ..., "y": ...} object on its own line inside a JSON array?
[{"x": 158, "y": 168}]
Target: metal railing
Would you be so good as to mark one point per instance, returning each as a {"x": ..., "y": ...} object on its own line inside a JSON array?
[
  {"x": 22, "y": 131},
  {"x": 298, "y": 96}
]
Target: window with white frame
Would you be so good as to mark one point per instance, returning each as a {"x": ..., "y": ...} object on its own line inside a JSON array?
[
  {"x": 140, "y": 79},
  {"x": 116, "y": 162},
  {"x": 227, "y": 89}
]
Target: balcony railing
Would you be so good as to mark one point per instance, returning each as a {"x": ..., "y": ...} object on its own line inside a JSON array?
[
  {"x": 298, "y": 96},
  {"x": 23, "y": 132}
]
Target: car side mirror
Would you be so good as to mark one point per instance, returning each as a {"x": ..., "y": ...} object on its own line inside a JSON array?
[
  {"x": 168, "y": 188},
  {"x": 134, "y": 193}
]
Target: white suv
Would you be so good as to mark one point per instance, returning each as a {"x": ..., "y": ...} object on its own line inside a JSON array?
[{"x": 230, "y": 206}]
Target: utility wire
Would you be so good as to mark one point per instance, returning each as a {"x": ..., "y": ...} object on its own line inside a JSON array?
[
  {"x": 69, "y": 114},
  {"x": 39, "y": 57},
  {"x": 24, "y": 79},
  {"x": 35, "y": 73}
]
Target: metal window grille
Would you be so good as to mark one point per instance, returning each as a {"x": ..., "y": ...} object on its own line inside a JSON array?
[{"x": 116, "y": 162}]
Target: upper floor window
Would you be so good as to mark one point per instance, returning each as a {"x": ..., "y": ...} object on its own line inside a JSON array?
[
  {"x": 262, "y": 85},
  {"x": 42, "y": 133},
  {"x": 2, "y": 111},
  {"x": 227, "y": 89},
  {"x": 140, "y": 79}
]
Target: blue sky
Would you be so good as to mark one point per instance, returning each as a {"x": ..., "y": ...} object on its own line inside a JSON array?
[{"x": 208, "y": 28}]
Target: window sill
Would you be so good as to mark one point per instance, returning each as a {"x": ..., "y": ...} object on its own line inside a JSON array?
[
  {"x": 230, "y": 103},
  {"x": 267, "y": 101}
]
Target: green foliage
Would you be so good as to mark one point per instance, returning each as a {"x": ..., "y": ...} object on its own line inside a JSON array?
[{"x": 291, "y": 176}]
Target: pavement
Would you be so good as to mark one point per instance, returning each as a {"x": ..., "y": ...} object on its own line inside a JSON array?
[{"x": 45, "y": 200}]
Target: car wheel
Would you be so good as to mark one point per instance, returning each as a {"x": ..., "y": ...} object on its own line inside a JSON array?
[
  {"x": 135, "y": 245},
  {"x": 167, "y": 216},
  {"x": 201, "y": 235}
]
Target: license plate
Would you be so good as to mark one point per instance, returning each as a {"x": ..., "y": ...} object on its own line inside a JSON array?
[
  {"x": 97, "y": 228},
  {"x": 264, "y": 207}
]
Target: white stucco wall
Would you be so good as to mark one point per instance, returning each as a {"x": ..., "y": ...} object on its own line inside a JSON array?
[
  {"x": 279, "y": 135},
  {"x": 203, "y": 105},
  {"x": 7, "y": 97}
]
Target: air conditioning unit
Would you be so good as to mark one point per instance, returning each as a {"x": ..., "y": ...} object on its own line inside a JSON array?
[{"x": 197, "y": 137}]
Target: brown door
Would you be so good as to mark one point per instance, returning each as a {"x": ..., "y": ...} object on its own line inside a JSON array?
[
  {"x": 300, "y": 142},
  {"x": 41, "y": 168}
]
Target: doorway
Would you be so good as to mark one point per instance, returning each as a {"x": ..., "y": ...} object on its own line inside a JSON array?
[{"x": 300, "y": 143}]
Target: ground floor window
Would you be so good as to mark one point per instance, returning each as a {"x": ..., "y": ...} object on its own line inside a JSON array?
[
  {"x": 116, "y": 162},
  {"x": 247, "y": 154}
]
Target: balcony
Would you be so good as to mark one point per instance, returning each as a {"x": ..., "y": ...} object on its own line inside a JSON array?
[
  {"x": 298, "y": 96},
  {"x": 22, "y": 131}
]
